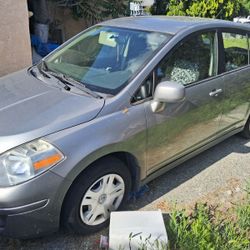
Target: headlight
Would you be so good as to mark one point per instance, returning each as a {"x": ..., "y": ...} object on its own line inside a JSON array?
[{"x": 26, "y": 161}]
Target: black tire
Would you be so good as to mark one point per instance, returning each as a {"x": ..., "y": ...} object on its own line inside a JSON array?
[
  {"x": 246, "y": 131},
  {"x": 71, "y": 218}
]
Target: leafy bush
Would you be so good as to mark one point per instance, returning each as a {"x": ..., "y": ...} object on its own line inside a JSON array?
[
  {"x": 222, "y": 9},
  {"x": 243, "y": 213},
  {"x": 95, "y": 10},
  {"x": 205, "y": 229}
]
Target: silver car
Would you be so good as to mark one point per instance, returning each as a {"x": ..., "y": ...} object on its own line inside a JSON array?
[{"x": 111, "y": 109}]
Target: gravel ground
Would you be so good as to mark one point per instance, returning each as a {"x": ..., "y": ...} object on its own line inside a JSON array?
[{"x": 218, "y": 176}]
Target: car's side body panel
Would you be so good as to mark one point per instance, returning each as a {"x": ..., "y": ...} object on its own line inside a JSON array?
[
  {"x": 164, "y": 168},
  {"x": 120, "y": 131},
  {"x": 182, "y": 127}
]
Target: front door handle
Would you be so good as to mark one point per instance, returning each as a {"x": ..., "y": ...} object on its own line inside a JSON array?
[{"x": 215, "y": 92}]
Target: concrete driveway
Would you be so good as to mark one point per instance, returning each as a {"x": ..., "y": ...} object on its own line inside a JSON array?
[{"x": 215, "y": 175}]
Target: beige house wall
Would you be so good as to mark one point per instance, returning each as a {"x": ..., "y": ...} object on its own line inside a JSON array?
[{"x": 15, "y": 50}]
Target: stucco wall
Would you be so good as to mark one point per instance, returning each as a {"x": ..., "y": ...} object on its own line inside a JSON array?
[{"x": 15, "y": 52}]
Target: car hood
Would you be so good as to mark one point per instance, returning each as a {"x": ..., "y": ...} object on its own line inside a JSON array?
[{"x": 30, "y": 108}]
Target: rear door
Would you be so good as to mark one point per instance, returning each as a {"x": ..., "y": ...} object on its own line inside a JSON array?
[{"x": 236, "y": 75}]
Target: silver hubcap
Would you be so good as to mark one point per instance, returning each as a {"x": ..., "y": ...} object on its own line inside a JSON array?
[{"x": 104, "y": 196}]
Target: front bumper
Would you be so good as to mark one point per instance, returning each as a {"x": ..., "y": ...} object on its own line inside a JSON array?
[
  {"x": 26, "y": 221},
  {"x": 32, "y": 209}
]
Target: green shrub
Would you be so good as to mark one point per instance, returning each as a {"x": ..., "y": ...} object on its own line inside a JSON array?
[
  {"x": 203, "y": 229},
  {"x": 243, "y": 213},
  {"x": 206, "y": 228}
]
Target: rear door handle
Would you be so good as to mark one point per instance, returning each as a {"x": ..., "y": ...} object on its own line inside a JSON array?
[{"x": 215, "y": 92}]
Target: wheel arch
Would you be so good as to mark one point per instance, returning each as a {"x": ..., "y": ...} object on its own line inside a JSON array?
[{"x": 127, "y": 158}]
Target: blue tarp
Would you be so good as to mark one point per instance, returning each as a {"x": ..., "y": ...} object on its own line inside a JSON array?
[{"x": 42, "y": 49}]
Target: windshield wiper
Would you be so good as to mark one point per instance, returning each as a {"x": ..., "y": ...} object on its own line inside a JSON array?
[
  {"x": 44, "y": 68},
  {"x": 79, "y": 85},
  {"x": 48, "y": 73},
  {"x": 66, "y": 80}
]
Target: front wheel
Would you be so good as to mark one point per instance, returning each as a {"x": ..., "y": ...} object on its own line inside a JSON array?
[{"x": 103, "y": 188}]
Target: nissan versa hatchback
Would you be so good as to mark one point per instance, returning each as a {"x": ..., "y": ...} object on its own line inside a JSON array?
[{"x": 111, "y": 109}]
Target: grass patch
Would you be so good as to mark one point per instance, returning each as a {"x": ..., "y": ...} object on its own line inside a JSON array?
[
  {"x": 208, "y": 228},
  {"x": 243, "y": 213}
]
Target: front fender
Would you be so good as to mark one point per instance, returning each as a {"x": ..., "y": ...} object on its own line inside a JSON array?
[{"x": 85, "y": 143}]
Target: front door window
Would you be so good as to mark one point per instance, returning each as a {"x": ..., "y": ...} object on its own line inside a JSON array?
[{"x": 194, "y": 60}]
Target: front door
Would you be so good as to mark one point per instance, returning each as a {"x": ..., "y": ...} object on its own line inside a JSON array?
[{"x": 182, "y": 127}]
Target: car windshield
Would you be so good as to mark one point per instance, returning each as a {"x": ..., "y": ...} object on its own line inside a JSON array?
[{"x": 104, "y": 59}]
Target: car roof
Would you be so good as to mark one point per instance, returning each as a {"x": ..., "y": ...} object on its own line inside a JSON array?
[{"x": 169, "y": 24}]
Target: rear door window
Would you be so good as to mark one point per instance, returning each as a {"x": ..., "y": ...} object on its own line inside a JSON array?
[{"x": 235, "y": 50}]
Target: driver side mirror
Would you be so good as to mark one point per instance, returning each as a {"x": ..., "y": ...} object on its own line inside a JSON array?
[{"x": 167, "y": 92}]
